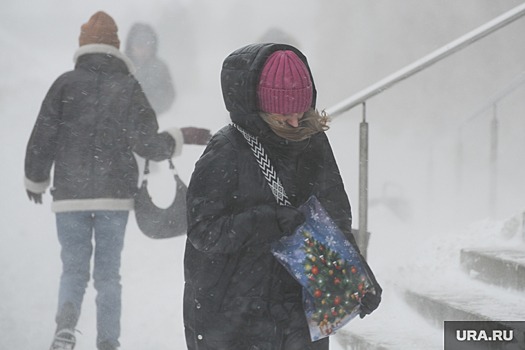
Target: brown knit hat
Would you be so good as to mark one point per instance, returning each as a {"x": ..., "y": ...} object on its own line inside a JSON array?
[{"x": 100, "y": 29}]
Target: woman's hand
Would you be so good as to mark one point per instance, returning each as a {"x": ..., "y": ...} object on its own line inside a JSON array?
[{"x": 289, "y": 218}]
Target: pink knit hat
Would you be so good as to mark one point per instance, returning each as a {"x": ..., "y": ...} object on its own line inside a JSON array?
[{"x": 285, "y": 86}]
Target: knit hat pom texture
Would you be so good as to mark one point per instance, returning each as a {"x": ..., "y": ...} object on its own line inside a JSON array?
[{"x": 285, "y": 86}]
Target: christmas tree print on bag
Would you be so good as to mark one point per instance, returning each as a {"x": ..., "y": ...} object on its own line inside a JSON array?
[{"x": 328, "y": 267}]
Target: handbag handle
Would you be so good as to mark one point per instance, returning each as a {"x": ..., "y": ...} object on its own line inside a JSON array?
[
  {"x": 266, "y": 167},
  {"x": 146, "y": 171}
]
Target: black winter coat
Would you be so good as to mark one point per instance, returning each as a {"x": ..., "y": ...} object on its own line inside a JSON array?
[
  {"x": 232, "y": 211},
  {"x": 91, "y": 121}
]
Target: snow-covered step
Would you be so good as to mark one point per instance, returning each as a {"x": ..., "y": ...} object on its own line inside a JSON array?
[
  {"x": 392, "y": 326},
  {"x": 500, "y": 266},
  {"x": 472, "y": 301}
]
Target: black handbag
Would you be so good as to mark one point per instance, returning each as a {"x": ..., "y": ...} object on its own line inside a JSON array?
[{"x": 159, "y": 223}]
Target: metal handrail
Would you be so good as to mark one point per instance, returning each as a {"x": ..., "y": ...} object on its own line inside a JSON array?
[
  {"x": 492, "y": 104},
  {"x": 428, "y": 60},
  {"x": 516, "y": 83},
  {"x": 364, "y": 95}
]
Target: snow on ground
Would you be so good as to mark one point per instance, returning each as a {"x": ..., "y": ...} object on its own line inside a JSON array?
[{"x": 433, "y": 268}]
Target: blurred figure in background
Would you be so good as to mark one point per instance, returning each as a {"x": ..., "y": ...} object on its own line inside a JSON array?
[
  {"x": 154, "y": 76},
  {"x": 152, "y": 72},
  {"x": 91, "y": 121}
]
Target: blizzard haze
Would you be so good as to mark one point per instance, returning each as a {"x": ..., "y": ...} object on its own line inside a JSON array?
[{"x": 429, "y": 150}]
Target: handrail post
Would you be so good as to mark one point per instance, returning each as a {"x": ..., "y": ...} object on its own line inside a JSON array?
[
  {"x": 459, "y": 162},
  {"x": 493, "y": 161},
  {"x": 363, "y": 184}
]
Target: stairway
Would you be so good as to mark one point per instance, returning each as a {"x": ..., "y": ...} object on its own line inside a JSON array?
[
  {"x": 501, "y": 267},
  {"x": 494, "y": 291},
  {"x": 392, "y": 326},
  {"x": 487, "y": 284}
]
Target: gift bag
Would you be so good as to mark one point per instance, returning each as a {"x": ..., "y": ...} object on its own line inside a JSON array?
[{"x": 328, "y": 267}]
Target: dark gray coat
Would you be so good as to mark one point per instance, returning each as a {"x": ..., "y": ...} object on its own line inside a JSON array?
[{"x": 91, "y": 121}]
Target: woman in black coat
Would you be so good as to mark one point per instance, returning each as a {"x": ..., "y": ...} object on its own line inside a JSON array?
[{"x": 237, "y": 295}]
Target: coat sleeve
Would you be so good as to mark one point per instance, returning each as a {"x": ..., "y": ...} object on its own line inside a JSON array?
[
  {"x": 42, "y": 146},
  {"x": 332, "y": 193},
  {"x": 216, "y": 222},
  {"x": 144, "y": 136}
]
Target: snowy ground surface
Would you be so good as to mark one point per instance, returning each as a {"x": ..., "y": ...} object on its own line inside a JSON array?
[
  {"x": 152, "y": 279},
  {"x": 38, "y": 44}
]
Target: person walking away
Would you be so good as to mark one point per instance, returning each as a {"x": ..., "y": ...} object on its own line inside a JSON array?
[
  {"x": 237, "y": 295},
  {"x": 91, "y": 121}
]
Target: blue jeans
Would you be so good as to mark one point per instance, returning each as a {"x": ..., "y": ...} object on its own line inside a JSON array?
[{"x": 76, "y": 231}]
